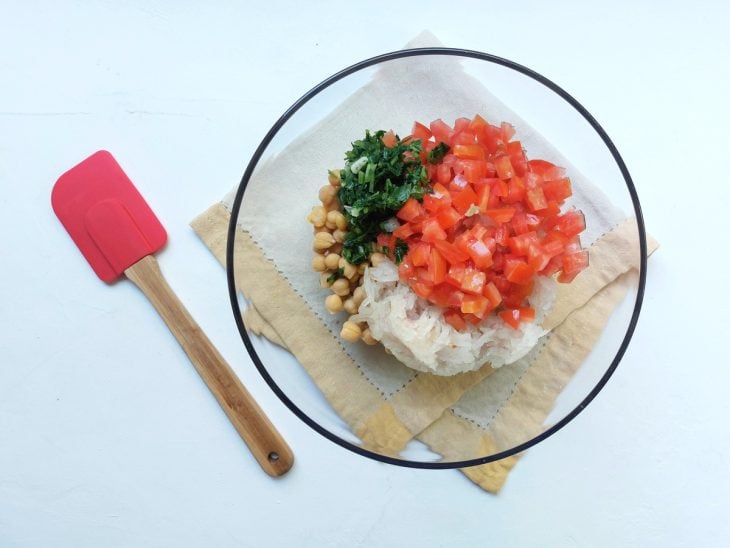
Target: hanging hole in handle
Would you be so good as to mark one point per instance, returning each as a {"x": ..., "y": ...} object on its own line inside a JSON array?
[{"x": 273, "y": 456}]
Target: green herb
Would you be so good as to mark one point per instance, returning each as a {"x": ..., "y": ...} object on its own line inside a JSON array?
[
  {"x": 337, "y": 274},
  {"x": 401, "y": 248},
  {"x": 437, "y": 153},
  {"x": 376, "y": 182}
]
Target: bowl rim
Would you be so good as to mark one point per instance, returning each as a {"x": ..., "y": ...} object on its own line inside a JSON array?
[{"x": 400, "y": 54}]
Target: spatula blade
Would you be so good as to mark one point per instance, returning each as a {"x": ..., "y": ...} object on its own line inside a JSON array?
[{"x": 106, "y": 216}]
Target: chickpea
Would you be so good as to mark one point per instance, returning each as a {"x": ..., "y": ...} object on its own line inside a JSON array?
[
  {"x": 323, "y": 280},
  {"x": 336, "y": 248},
  {"x": 350, "y": 331},
  {"x": 339, "y": 235},
  {"x": 318, "y": 263},
  {"x": 377, "y": 258},
  {"x": 337, "y": 218},
  {"x": 327, "y": 194},
  {"x": 367, "y": 337},
  {"x": 332, "y": 261},
  {"x": 341, "y": 287},
  {"x": 318, "y": 216},
  {"x": 323, "y": 240},
  {"x": 334, "y": 178},
  {"x": 350, "y": 306},
  {"x": 333, "y": 303},
  {"x": 358, "y": 295},
  {"x": 361, "y": 268},
  {"x": 348, "y": 269}
]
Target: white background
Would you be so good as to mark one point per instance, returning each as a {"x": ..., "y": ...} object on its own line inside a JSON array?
[{"x": 108, "y": 437}]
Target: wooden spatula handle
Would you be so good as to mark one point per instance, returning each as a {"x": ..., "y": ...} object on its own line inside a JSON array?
[{"x": 266, "y": 444}]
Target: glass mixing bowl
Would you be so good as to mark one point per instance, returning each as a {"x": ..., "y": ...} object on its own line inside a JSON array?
[{"x": 355, "y": 395}]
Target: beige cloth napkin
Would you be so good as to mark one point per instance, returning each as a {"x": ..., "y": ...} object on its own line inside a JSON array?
[{"x": 385, "y": 404}]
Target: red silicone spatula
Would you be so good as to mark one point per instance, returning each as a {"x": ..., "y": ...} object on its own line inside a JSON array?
[{"x": 118, "y": 233}]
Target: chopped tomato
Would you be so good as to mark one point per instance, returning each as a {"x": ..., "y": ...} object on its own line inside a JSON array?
[
  {"x": 473, "y": 281},
  {"x": 571, "y": 223},
  {"x": 420, "y": 131},
  {"x": 492, "y": 294},
  {"x": 470, "y": 152},
  {"x": 502, "y": 215},
  {"x": 557, "y": 190},
  {"x": 389, "y": 139},
  {"x": 518, "y": 272},
  {"x": 450, "y": 252},
  {"x": 536, "y": 199},
  {"x": 437, "y": 267},
  {"x": 575, "y": 262},
  {"x": 491, "y": 223},
  {"x": 504, "y": 167},
  {"x": 539, "y": 166},
  {"x": 455, "y": 320},
  {"x": 475, "y": 304},
  {"x": 443, "y": 173},
  {"x": 480, "y": 254},
  {"x": 410, "y": 210},
  {"x": 448, "y": 217},
  {"x": 420, "y": 254},
  {"x": 432, "y": 231},
  {"x": 462, "y": 200},
  {"x": 441, "y": 131},
  {"x": 422, "y": 289}
]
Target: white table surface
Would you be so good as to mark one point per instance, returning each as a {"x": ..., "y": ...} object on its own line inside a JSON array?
[{"x": 107, "y": 436}]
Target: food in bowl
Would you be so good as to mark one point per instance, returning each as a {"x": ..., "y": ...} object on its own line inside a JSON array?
[{"x": 445, "y": 246}]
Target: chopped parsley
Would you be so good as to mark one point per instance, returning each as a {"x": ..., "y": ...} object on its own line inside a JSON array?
[
  {"x": 376, "y": 182},
  {"x": 401, "y": 248},
  {"x": 336, "y": 275},
  {"x": 437, "y": 153}
]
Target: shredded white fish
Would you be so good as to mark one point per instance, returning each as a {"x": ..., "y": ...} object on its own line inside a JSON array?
[{"x": 415, "y": 332}]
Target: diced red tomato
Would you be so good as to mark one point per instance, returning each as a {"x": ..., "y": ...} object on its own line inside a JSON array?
[
  {"x": 422, "y": 289},
  {"x": 518, "y": 272},
  {"x": 405, "y": 231},
  {"x": 511, "y": 317},
  {"x": 469, "y": 152},
  {"x": 448, "y": 217},
  {"x": 503, "y": 164},
  {"x": 410, "y": 210},
  {"x": 437, "y": 267},
  {"x": 557, "y": 190},
  {"x": 443, "y": 173},
  {"x": 492, "y": 294},
  {"x": 450, "y": 252},
  {"x": 571, "y": 223},
  {"x": 539, "y": 166},
  {"x": 462, "y": 200},
  {"x": 575, "y": 262},
  {"x": 441, "y": 131},
  {"x": 432, "y": 231},
  {"x": 472, "y": 265},
  {"x": 455, "y": 320},
  {"x": 389, "y": 139},
  {"x": 475, "y": 304},
  {"x": 536, "y": 199},
  {"x": 420, "y": 131},
  {"x": 501, "y": 215},
  {"x": 438, "y": 199},
  {"x": 420, "y": 253},
  {"x": 456, "y": 275},
  {"x": 480, "y": 254}
]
